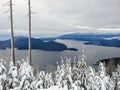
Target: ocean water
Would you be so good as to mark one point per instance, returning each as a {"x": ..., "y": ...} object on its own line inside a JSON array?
[{"x": 46, "y": 60}]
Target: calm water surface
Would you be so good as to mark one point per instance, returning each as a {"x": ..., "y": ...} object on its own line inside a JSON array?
[{"x": 47, "y": 59}]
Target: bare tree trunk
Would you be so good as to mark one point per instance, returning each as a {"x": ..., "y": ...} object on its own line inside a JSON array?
[
  {"x": 12, "y": 33},
  {"x": 30, "y": 55}
]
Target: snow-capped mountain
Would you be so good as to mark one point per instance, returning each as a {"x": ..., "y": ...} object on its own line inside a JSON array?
[{"x": 111, "y": 38}]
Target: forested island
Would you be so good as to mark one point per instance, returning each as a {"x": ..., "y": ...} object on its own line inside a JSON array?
[{"x": 21, "y": 43}]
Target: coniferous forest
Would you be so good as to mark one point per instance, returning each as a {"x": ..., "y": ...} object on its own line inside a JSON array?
[{"x": 69, "y": 75}]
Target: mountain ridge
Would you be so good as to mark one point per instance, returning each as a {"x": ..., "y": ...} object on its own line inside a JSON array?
[{"x": 21, "y": 43}]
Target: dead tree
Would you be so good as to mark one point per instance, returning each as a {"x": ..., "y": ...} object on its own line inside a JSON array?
[
  {"x": 12, "y": 33},
  {"x": 30, "y": 52}
]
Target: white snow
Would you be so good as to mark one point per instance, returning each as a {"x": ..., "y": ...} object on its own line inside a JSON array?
[
  {"x": 69, "y": 75},
  {"x": 118, "y": 38}
]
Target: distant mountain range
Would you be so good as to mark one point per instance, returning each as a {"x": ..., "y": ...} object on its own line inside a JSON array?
[
  {"x": 49, "y": 44},
  {"x": 88, "y": 36},
  {"x": 110, "y": 40},
  {"x": 21, "y": 43}
]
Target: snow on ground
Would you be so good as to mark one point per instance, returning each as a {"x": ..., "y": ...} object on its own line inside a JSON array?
[{"x": 69, "y": 75}]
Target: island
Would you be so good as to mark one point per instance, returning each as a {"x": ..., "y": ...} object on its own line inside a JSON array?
[{"x": 21, "y": 43}]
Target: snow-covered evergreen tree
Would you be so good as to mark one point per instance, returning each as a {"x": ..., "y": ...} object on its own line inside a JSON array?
[
  {"x": 69, "y": 75},
  {"x": 13, "y": 76},
  {"x": 25, "y": 75},
  {"x": 118, "y": 78},
  {"x": 2, "y": 74}
]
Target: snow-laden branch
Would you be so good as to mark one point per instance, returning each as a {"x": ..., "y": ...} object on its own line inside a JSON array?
[{"x": 69, "y": 75}]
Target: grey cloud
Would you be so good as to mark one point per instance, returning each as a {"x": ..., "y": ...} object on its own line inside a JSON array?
[{"x": 56, "y": 16}]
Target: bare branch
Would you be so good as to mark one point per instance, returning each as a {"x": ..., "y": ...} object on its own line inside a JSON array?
[
  {"x": 6, "y": 4},
  {"x": 33, "y": 12},
  {"x": 7, "y": 11},
  {"x": 27, "y": 15}
]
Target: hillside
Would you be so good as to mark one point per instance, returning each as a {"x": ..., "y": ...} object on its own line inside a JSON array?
[
  {"x": 21, "y": 43},
  {"x": 110, "y": 40}
]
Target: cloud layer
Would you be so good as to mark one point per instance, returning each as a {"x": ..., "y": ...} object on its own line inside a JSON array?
[{"x": 55, "y": 17}]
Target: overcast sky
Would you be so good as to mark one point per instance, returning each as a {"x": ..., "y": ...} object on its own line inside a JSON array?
[{"x": 56, "y": 17}]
